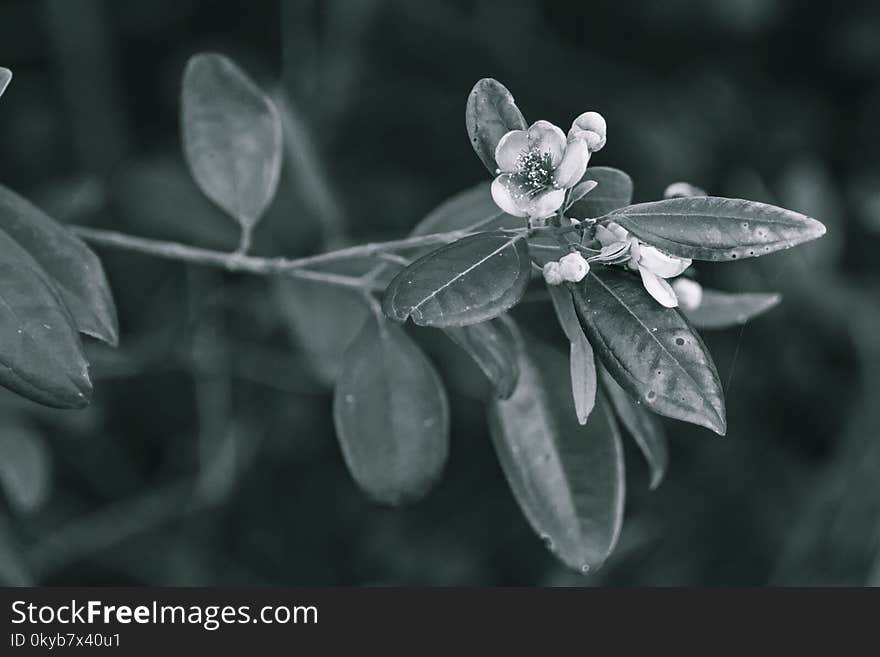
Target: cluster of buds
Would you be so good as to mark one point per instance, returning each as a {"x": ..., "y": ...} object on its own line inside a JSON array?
[
  {"x": 570, "y": 268},
  {"x": 536, "y": 167}
]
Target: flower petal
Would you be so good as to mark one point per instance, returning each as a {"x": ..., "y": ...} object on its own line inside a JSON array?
[
  {"x": 594, "y": 141},
  {"x": 573, "y": 165},
  {"x": 658, "y": 288},
  {"x": 504, "y": 199},
  {"x": 592, "y": 121},
  {"x": 545, "y": 203},
  {"x": 607, "y": 236},
  {"x": 509, "y": 148},
  {"x": 547, "y": 138},
  {"x": 660, "y": 263},
  {"x": 634, "y": 253}
]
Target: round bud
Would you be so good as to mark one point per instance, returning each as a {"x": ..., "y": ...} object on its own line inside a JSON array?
[
  {"x": 591, "y": 127},
  {"x": 573, "y": 267},
  {"x": 552, "y": 273}
]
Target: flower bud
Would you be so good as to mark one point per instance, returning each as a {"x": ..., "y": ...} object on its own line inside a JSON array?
[
  {"x": 689, "y": 293},
  {"x": 573, "y": 267},
  {"x": 591, "y": 127},
  {"x": 552, "y": 273}
]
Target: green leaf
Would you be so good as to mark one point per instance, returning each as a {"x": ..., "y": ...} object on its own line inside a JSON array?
[
  {"x": 25, "y": 467},
  {"x": 719, "y": 310},
  {"x": 493, "y": 347},
  {"x": 582, "y": 363},
  {"x": 713, "y": 228},
  {"x": 471, "y": 209},
  {"x": 651, "y": 351},
  {"x": 5, "y": 79},
  {"x": 568, "y": 479},
  {"x": 322, "y": 320},
  {"x": 391, "y": 415},
  {"x": 40, "y": 353},
  {"x": 73, "y": 266},
  {"x": 614, "y": 190},
  {"x": 490, "y": 114},
  {"x": 466, "y": 282},
  {"x": 232, "y": 137},
  {"x": 645, "y": 427}
]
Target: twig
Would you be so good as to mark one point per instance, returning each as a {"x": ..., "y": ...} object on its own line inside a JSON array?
[{"x": 256, "y": 265}]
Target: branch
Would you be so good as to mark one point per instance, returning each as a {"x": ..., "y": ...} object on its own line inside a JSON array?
[{"x": 239, "y": 262}]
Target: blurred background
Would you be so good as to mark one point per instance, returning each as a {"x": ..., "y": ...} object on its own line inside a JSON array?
[{"x": 208, "y": 456}]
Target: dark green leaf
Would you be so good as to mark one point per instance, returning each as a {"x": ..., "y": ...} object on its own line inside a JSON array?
[
  {"x": 466, "y": 282},
  {"x": 232, "y": 137},
  {"x": 74, "y": 268},
  {"x": 40, "y": 353},
  {"x": 568, "y": 479},
  {"x": 24, "y": 466},
  {"x": 493, "y": 348},
  {"x": 391, "y": 415},
  {"x": 471, "y": 209},
  {"x": 613, "y": 191},
  {"x": 5, "y": 79},
  {"x": 712, "y": 228},
  {"x": 650, "y": 350},
  {"x": 645, "y": 427},
  {"x": 719, "y": 310},
  {"x": 581, "y": 360},
  {"x": 322, "y": 320},
  {"x": 490, "y": 114}
]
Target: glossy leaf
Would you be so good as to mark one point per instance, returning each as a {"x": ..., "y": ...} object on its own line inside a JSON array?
[
  {"x": 322, "y": 321},
  {"x": 614, "y": 190},
  {"x": 582, "y": 364},
  {"x": 5, "y": 79},
  {"x": 41, "y": 356},
  {"x": 494, "y": 349},
  {"x": 568, "y": 479},
  {"x": 466, "y": 282},
  {"x": 651, "y": 351},
  {"x": 74, "y": 268},
  {"x": 232, "y": 137},
  {"x": 644, "y": 427},
  {"x": 719, "y": 310},
  {"x": 471, "y": 209},
  {"x": 490, "y": 114},
  {"x": 391, "y": 415},
  {"x": 25, "y": 467},
  {"x": 712, "y": 228}
]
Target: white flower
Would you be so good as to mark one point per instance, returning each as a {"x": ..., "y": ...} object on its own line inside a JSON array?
[
  {"x": 573, "y": 267},
  {"x": 591, "y": 127},
  {"x": 653, "y": 265},
  {"x": 552, "y": 275},
  {"x": 535, "y": 168},
  {"x": 689, "y": 293}
]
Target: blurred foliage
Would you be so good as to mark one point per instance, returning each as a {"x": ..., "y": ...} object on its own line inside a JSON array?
[{"x": 209, "y": 457}]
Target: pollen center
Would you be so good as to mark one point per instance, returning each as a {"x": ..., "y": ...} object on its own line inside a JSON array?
[{"x": 534, "y": 170}]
